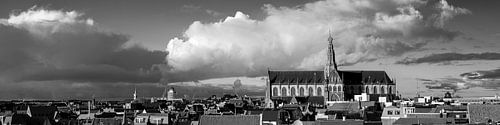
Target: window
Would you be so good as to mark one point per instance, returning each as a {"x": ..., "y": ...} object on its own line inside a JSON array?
[
  {"x": 283, "y": 91},
  {"x": 375, "y": 90},
  {"x": 292, "y": 92},
  {"x": 334, "y": 88},
  {"x": 311, "y": 91},
  {"x": 301, "y": 92},
  {"x": 319, "y": 92},
  {"x": 382, "y": 90},
  {"x": 367, "y": 91},
  {"x": 389, "y": 112},
  {"x": 397, "y": 112},
  {"x": 339, "y": 88},
  {"x": 330, "y": 89},
  {"x": 390, "y": 90},
  {"x": 275, "y": 91}
]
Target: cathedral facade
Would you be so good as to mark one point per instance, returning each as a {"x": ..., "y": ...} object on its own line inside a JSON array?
[{"x": 331, "y": 83}]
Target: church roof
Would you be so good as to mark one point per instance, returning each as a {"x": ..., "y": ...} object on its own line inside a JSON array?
[
  {"x": 347, "y": 76},
  {"x": 276, "y": 77},
  {"x": 360, "y": 76}
]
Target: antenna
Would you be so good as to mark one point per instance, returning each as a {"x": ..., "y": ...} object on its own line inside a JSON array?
[{"x": 418, "y": 90}]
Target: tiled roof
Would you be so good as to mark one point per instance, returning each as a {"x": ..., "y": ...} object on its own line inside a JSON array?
[
  {"x": 348, "y": 77},
  {"x": 349, "y": 106},
  {"x": 267, "y": 115},
  {"x": 358, "y": 76},
  {"x": 230, "y": 120},
  {"x": 423, "y": 110},
  {"x": 277, "y": 77},
  {"x": 340, "y": 122},
  {"x": 481, "y": 113},
  {"x": 431, "y": 121}
]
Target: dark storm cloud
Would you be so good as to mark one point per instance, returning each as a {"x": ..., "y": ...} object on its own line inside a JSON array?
[
  {"x": 489, "y": 74},
  {"x": 485, "y": 79},
  {"x": 70, "y": 48},
  {"x": 444, "y": 57}
]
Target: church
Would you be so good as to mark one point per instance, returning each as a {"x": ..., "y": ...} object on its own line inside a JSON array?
[{"x": 331, "y": 84}]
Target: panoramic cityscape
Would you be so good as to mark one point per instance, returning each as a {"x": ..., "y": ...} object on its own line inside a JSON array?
[{"x": 249, "y": 62}]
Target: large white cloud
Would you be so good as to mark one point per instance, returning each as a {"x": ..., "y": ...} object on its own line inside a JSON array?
[{"x": 295, "y": 38}]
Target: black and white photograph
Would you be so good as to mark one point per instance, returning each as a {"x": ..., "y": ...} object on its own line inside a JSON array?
[{"x": 249, "y": 62}]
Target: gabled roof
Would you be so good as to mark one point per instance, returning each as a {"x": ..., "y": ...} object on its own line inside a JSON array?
[
  {"x": 230, "y": 120},
  {"x": 38, "y": 110},
  {"x": 347, "y": 76},
  {"x": 276, "y": 77},
  {"x": 359, "y": 76}
]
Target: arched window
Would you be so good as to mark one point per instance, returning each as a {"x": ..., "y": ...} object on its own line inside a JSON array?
[
  {"x": 339, "y": 88},
  {"x": 301, "y": 91},
  {"x": 367, "y": 91},
  {"x": 382, "y": 91},
  {"x": 283, "y": 92},
  {"x": 375, "y": 90},
  {"x": 311, "y": 91},
  {"x": 334, "y": 89},
  {"x": 319, "y": 92},
  {"x": 390, "y": 90},
  {"x": 330, "y": 89},
  {"x": 275, "y": 91},
  {"x": 292, "y": 92}
]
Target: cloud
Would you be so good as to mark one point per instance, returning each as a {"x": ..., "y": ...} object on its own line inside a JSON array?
[
  {"x": 194, "y": 8},
  {"x": 485, "y": 79},
  {"x": 295, "y": 37},
  {"x": 51, "y": 45},
  {"x": 490, "y": 74},
  {"x": 445, "y": 57}
]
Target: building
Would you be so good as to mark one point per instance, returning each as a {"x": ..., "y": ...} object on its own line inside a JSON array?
[
  {"x": 483, "y": 113},
  {"x": 231, "y": 120},
  {"x": 331, "y": 84}
]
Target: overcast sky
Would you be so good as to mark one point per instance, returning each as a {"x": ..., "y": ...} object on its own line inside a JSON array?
[{"x": 61, "y": 48}]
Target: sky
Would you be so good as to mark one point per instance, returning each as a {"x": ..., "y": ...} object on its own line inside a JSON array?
[{"x": 81, "y": 49}]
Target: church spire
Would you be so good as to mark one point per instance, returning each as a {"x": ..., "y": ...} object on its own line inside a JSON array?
[
  {"x": 331, "y": 53},
  {"x": 135, "y": 93}
]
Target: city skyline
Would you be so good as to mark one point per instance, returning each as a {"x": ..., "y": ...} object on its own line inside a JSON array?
[{"x": 77, "y": 49}]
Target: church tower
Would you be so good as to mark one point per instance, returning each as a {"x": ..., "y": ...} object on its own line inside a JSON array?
[
  {"x": 333, "y": 80},
  {"x": 135, "y": 93}
]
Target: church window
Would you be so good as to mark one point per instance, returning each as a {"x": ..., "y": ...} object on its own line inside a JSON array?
[
  {"x": 319, "y": 92},
  {"x": 382, "y": 91},
  {"x": 275, "y": 91},
  {"x": 339, "y": 88},
  {"x": 375, "y": 90},
  {"x": 283, "y": 92},
  {"x": 292, "y": 92},
  {"x": 367, "y": 91},
  {"x": 311, "y": 91},
  {"x": 334, "y": 88},
  {"x": 390, "y": 90},
  {"x": 301, "y": 91}
]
